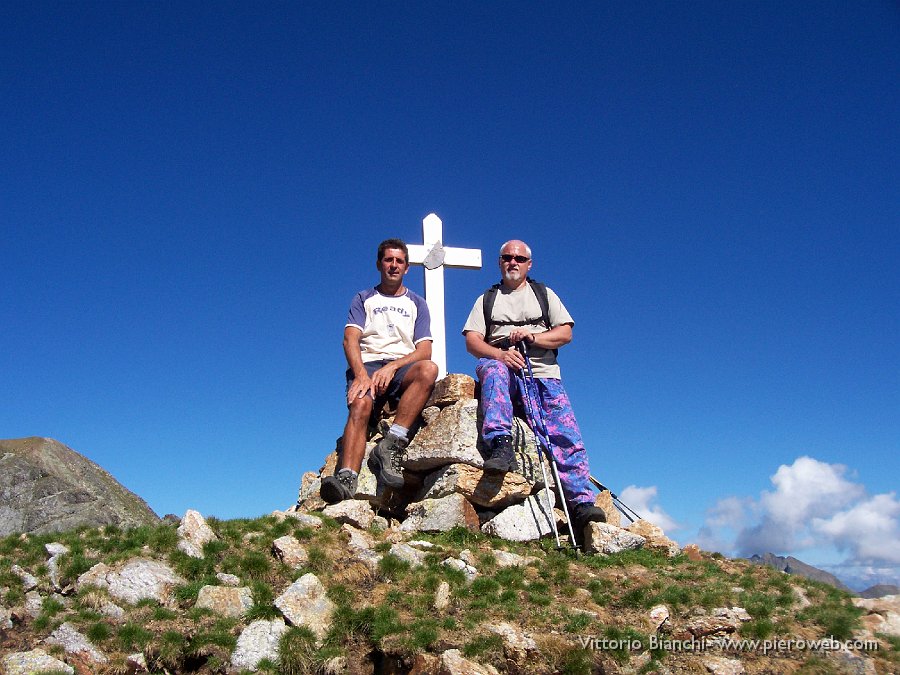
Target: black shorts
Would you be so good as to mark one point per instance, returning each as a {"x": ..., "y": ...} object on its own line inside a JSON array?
[{"x": 392, "y": 394}]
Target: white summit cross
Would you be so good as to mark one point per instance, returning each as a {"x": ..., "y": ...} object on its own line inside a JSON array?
[{"x": 434, "y": 256}]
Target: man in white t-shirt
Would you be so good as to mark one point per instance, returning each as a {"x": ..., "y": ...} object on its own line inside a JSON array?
[
  {"x": 387, "y": 343},
  {"x": 514, "y": 311}
]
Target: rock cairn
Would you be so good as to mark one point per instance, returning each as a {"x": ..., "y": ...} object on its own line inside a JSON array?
[{"x": 446, "y": 486}]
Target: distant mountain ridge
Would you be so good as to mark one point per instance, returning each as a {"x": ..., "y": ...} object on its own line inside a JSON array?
[
  {"x": 792, "y": 565},
  {"x": 879, "y": 591},
  {"x": 46, "y": 486}
]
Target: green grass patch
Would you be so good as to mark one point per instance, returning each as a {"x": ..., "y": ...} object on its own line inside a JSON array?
[{"x": 483, "y": 644}]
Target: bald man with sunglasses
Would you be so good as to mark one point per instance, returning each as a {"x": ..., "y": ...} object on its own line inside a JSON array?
[{"x": 517, "y": 315}]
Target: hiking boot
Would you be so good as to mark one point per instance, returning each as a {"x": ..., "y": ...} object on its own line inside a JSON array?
[
  {"x": 502, "y": 457},
  {"x": 338, "y": 487},
  {"x": 585, "y": 513},
  {"x": 386, "y": 460}
]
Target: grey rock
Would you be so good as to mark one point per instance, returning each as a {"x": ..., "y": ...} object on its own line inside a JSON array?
[
  {"x": 493, "y": 491},
  {"x": 34, "y": 661},
  {"x": 256, "y": 642},
  {"x": 48, "y": 487},
  {"x": 413, "y": 556},
  {"x": 5, "y": 618},
  {"x": 193, "y": 533},
  {"x": 55, "y": 550},
  {"x": 290, "y": 551},
  {"x": 605, "y": 539},
  {"x": 523, "y": 522},
  {"x": 442, "y": 596},
  {"x": 453, "y": 663},
  {"x": 73, "y": 642},
  {"x": 451, "y": 438},
  {"x": 356, "y": 512},
  {"x": 440, "y": 515},
  {"x": 134, "y": 580},
  {"x": 33, "y": 603},
  {"x": 507, "y": 559},
  {"x": 720, "y": 665},
  {"x": 304, "y": 603},
  {"x": 225, "y": 600},
  {"x": 228, "y": 579},
  {"x": 518, "y": 645},
  {"x": 461, "y": 566},
  {"x": 29, "y": 581},
  {"x": 309, "y": 486},
  {"x": 361, "y": 546}
]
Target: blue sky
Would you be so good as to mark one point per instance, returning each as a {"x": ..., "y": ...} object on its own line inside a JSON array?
[{"x": 191, "y": 193}]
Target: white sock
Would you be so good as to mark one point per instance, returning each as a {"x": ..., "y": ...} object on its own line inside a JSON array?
[{"x": 398, "y": 431}]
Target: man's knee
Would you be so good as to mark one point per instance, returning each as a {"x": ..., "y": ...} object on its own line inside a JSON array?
[
  {"x": 425, "y": 372},
  {"x": 360, "y": 409}
]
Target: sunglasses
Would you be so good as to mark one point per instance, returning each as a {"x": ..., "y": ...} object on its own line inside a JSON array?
[{"x": 506, "y": 257}]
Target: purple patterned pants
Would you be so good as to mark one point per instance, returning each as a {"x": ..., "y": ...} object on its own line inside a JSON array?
[{"x": 497, "y": 386}]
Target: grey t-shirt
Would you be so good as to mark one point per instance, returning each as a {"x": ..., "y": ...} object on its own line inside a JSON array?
[{"x": 521, "y": 305}]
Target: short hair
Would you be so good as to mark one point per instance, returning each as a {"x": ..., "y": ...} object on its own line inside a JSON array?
[
  {"x": 392, "y": 243},
  {"x": 527, "y": 247}
]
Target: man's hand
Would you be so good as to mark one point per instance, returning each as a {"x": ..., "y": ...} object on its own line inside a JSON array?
[
  {"x": 521, "y": 335},
  {"x": 360, "y": 386},
  {"x": 382, "y": 377},
  {"x": 512, "y": 358}
]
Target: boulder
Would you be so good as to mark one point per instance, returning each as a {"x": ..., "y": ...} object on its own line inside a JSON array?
[
  {"x": 451, "y": 438},
  {"x": 48, "y": 487},
  {"x": 452, "y": 662},
  {"x": 442, "y": 596},
  {"x": 193, "y": 533},
  {"x": 883, "y": 614},
  {"x": 524, "y": 522},
  {"x": 29, "y": 581},
  {"x": 304, "y": 603},
  {"x": 720, "y": 665},
  {"x": 655, "y": 538},
  {"x": 440, "y": 515},
  {"x": 605, "y": 501},
  {"x": 34, "y": 661},
  {"x": 361, "y": 546},
  {"x": 225, "y": 600},
  {"x": 493, "y": 491},
  {"x": 517, "y": 644},
  {"x": 256, "y": 642},
  {"x": 309, "y": 486},
  {"x": 451, "y": 388},
  {"x": 55, "y": 550},
  {"x": 604, "y": 539},
  {"x": 658, "y": 617},
  {"x": 461, "y": 566},
  {"x": 134, "y": 580},
  {"x": 76, "y": 644},
  {"x": 354, "y": 512},
  {"x": 413, "y": 556},
  {"x": 290, "y": 551}
]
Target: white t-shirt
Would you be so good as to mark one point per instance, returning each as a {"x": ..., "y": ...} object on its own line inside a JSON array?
[{"x": 391, "y": 325}]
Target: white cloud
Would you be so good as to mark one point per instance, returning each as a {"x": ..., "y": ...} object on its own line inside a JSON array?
[
  {"x": 641, "y": 499},
  {"x": 808, "y": 489},
  {"x": 723, "y": 520},
  {"x": 870, "y": 530},
  {"x": 813, "y": 505}
]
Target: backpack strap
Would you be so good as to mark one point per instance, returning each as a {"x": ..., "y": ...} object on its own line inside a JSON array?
[{"x": 540, "y": 292}]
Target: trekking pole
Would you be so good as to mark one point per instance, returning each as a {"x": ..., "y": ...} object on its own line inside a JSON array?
[
  {"x": 548, "y": 446},
  {"x": 618, "y": 503}
]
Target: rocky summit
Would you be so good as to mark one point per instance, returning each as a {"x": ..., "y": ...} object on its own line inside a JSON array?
[
  {"x": 355, "y": 593},
  {"x": 46, "y": 486}
]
